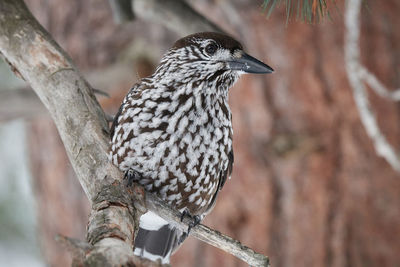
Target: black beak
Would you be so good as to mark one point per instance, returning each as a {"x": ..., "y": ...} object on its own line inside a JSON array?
[{"x": 249, "y": 64}]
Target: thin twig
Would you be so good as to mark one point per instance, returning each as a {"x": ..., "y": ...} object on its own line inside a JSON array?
[
  {"x": 121, "y": 10},
  {"x": 100, "y": 92},
  {"x": 376, "y": 85},
  {"x": 20, "y": 102},
  {"x": 206, "y": 234},
  {"x": 177, "y": 15},
  {"x": 354, "y": 73}
]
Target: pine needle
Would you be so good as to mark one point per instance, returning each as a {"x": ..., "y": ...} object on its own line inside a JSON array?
[
  {"x": 274, "y": 2},
  {"x": 306, "y": 10}
]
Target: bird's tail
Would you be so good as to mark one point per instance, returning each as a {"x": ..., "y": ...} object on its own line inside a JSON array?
[{"x": 156, "y": 239}]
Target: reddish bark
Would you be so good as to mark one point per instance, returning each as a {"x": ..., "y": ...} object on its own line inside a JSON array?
[{"x": 308, "y": 188}]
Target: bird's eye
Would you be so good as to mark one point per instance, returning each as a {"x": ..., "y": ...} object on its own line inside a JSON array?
[{"x": 211, "y": 49}]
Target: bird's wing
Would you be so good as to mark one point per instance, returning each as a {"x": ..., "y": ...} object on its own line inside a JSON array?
[
  {"x": 115, "y": 121},
  {"x": 135, "y": 93},
  {"x": 227, "y": 172},
  {"x": 222, "y": 179}
]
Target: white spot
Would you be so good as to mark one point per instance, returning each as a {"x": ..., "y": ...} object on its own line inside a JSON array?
[
  {"x": 144, "y": 254},
  {"x": 188, "y": 187},
  {"x": 182, "y": 124},
  {"x": 164, "y": 190},
  {"x": 198, "y": 201},
  {"x": 121, "y": 151},
  {"x": 163, "y": 175},
  {"x": 207, "y": 180},
  {"x": 151, "y": 221},
  {"x": 157, "y": 183},
  {"x": 204, "y": 202},
  {"x": 150, "y": 104},
  {"x": 173, "y": 188},
  {"x": 193, "y": 196}
]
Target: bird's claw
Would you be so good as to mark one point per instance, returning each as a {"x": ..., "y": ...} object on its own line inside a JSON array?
[
  {"x": 131, "y": 176},
  {"x": 185, "y": 213},
  {"x": 194, "y": 220}
]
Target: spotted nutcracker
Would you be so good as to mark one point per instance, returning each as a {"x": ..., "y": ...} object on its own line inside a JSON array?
[{"x": 173, "y": 132}]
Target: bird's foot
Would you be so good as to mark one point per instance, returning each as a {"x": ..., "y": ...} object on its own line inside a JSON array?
[
  {"x": 194, "y": 220},
  {"x": 131, "y": 176}
]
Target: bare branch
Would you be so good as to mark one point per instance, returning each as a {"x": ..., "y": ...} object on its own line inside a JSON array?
[
  {"x": 76, "y": 113},
  {"x": 356, "y": 74},
  {"x": 67, "y": 96},
  {"x": 177, "y": 15},
  {"x": 84, "y": 131},
  {"x": 22, "y": 102},
  {"x": 100, "y": 92},
  {"x": 77, "y": 247},
  {"x": 121, "y": 10},
  {"x": 206, "y": 234},
  {"x": 376, "y": 85}
]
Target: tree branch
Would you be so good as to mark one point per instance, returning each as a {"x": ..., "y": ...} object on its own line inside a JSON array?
[
  {"x": 79, "y": 120},
  {"x": 121, "y": 10},
  {"x": 21, "y": 102},
  {"x": 24, "y": 103},
  {"x": 376, "y": 85},
  {"x": 206, "y": 234},
  {"x": 67, "y": 96},
  {"x": 357, "y": 75},
  {"x": 84, "y": 131},
  {"x": 176, "y": 15}
]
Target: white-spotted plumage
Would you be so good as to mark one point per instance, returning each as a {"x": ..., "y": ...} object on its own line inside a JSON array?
[
  {"x": 187, "y": 127},
  {"x": 174, "y": 130}
]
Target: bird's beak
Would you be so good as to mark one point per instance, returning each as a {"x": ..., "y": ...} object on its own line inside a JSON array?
[{"x": 248, "y": 64}]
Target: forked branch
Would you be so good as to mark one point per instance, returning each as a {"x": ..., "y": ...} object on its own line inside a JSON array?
[{"x": 358, "y": 75}]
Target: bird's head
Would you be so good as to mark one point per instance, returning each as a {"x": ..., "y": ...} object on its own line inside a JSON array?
[{"x": 208, "y": 57}]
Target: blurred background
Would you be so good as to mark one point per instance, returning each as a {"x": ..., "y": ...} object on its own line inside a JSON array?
[{"x": 308, "y": 188}]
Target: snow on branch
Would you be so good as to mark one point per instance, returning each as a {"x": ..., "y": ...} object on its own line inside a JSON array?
[
  {"x": 83, "y": 128},
  {"x": 358, "y": 76}
]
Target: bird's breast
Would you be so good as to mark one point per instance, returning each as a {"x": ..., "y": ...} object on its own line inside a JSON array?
[{"x": 180, "y": 150}]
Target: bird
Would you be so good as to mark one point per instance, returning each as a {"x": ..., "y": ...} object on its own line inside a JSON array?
[{"x": 173, "y": 133}]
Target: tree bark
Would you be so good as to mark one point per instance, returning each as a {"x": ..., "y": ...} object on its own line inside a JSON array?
[{"x": 81, "y": 124}]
